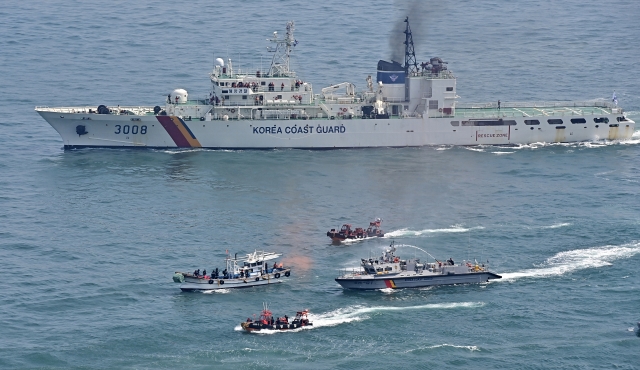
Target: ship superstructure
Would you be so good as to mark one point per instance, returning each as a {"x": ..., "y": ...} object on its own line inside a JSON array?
[{"x": 409, "y": 105}]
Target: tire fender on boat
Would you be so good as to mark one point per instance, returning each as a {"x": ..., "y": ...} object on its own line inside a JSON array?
[
  {"x": 287, "y": 274},
  {"x": 257, "y": 278},
  {"x": 221, "y": 282},
  {"x": 277, "y": 275},
  {"x": 210, "y": 281}
]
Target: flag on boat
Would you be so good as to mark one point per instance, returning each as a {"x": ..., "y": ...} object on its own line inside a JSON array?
[{"x": 614, "y": 98}]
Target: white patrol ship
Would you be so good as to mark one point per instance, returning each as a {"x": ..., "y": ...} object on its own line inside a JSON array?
[
  {"x": 252, "y": 270},
  {"x": 389, "y": 271},
  {"x": 410, "y": 105}
]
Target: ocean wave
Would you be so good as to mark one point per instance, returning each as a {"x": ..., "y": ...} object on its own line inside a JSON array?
[
  {"x": 575, "y": 260},
  {"x": 499, "y": 153},
  {"x": 556, "y": 226},
  {"x": 445, "y": 345}
]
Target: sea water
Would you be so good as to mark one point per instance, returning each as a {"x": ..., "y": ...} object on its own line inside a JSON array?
[{"x": 90, "y": 239}]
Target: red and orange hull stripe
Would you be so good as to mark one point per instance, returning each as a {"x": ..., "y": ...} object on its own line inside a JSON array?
[
  {"x": 390, "y": 284},
  {"x": 179, "y": 132}
]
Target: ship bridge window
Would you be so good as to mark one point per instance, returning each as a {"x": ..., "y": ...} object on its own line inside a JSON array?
[
  {"x": 379, "y": 269},
  {"x": 388, "y": 269},
  {"x": 449, "y": 88},
  {"x": 601, "y": 120},
  {"x": 455, "y": 123},
  {"x": 433, "y": 104},
  {"x": 244, "y": 97},
  {"x": 531, "y": 122},
  {"x": 578, "y": 120},
  {"x": 225, "y": 91},
  {"x": 555, "y": 121},
  {"x": 226, "y": 97},
  {"x": 262, "y": 83},
  {"x": 622, "y": 119}
]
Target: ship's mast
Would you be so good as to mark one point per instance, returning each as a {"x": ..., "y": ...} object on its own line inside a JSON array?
[
  {"x": 282, "y": 52},
  {"x": 410, "y": 64}
]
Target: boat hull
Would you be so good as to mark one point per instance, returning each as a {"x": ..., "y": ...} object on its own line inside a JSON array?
[
  {"x": 259, "y": 326},
  {"x": 149, "y": 131},
  {"x": 191, "y": 284},
  {"x": 368, "y": 282}
]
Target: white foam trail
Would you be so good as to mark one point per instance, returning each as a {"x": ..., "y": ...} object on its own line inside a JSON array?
[
  {"x": 556, "y": 226},
  {"x": 470, "y": 348},
  {"x": 451, "y": 229},
  {"x": 359, "y": 313},
  {"x": 499, "y": 153},
  {"x": 578, "y": 259},
  {"x": 474, "y": 149},
  {"x": 219, "y": 291}
]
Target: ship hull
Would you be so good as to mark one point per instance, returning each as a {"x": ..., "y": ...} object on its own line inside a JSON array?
[
  {"x": 371, "y": 282},
  {"x": 201, "y": 284},
  {"x": 81, "y": 130}
]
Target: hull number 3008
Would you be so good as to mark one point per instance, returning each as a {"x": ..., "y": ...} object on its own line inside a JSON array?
[{"x": 134, "y": 129}]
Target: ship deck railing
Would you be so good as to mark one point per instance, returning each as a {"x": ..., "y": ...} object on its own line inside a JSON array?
[
  {"x": 124, "y": 110},
  {"x": 527, "y": 109}
]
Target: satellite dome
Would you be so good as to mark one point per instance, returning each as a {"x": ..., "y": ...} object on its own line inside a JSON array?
[{"x": 179, "y": 96}]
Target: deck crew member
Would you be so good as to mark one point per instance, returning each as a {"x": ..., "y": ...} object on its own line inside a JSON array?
[{"x": 450, "y": 261}]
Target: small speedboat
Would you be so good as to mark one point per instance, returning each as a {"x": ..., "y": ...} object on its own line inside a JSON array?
[
  {"x": 266, "y": 321},
  {"x": 347, "y": 232},
  {"x": 254, "y": 269}
]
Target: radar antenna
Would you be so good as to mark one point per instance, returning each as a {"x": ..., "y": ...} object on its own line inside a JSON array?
[
  {"x": 282, "y": 52},
  {"x": 410, "y": 64}
]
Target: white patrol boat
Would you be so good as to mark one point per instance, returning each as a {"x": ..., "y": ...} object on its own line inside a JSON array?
[
  {"x": 389, "y": 271},
  {"x": 254, "y": 269},
  {"x": 411, "y": 105}
]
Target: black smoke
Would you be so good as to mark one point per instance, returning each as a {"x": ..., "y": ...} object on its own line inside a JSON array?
[{"x": 418, "y": 12}]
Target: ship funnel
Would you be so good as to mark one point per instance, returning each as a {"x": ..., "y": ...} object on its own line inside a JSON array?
[{"x": 392, "y": 76}]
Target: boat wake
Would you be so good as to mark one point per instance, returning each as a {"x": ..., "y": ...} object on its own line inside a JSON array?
[
  {"x": 444, "y": 345},
  {"x": 360, "y": 313},
  {"x": 575, "y": 260},
  {"x": 556, "y": 226},
  {"x": 216, "y": 291},
  {"x": 451, "y": 229}
]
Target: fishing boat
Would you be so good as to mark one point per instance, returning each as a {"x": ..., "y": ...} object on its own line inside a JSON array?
[
  {"x": 252, "y": 270},
  {"x": 410, "y": 104},
  {"x": 390, "y": 271},
  {"x": 266, "y": 321},
  {"x": 347, "y": 232}
]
